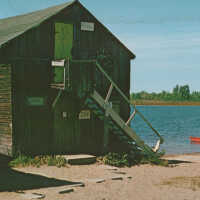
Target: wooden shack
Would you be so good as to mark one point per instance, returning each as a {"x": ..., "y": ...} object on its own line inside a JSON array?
[{"x": 51, "y": 62}]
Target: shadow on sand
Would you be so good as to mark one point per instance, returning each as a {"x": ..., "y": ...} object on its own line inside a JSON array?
[
  {"x": 178, "y": 161},
  {"x": 12, "y": 180}
]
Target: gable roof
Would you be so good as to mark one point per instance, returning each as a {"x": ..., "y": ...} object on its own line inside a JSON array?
[{"x": 13, "y": 27}]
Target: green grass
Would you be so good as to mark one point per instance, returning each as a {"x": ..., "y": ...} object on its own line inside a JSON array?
[
  {"x": 25, "y": 161},
  {"x": 128, "y": 160},
  {"x": 112, "y": 158}
]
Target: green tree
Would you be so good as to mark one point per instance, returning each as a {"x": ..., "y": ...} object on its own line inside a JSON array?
[
  {"x": 195, "y": 96},
  {"x": 176, "y": 90},
  {"x": 185, "y": 92}
]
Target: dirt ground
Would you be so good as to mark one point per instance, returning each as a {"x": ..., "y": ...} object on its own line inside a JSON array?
[{"x": 180, "y": 181}]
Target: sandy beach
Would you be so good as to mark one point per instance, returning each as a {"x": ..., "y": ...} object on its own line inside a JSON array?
[{"x": 180, "y": 181}]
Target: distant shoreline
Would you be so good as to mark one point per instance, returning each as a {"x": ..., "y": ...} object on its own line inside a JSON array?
[
  {"x": 181, "y": 154},
  {"x": 165, "y": 103}
]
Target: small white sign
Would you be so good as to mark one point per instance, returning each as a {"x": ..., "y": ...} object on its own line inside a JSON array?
[
  {"x": 87, "y": 26},
  {"x": 64, "y": 114},
  {"x": 58, "y": 63},
  {"x": 84, "y": 114}
]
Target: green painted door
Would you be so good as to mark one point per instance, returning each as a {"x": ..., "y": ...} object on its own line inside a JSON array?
[
  {"x": 66, "y": 125},
  {"x": 63, "y": 40},
  {"x": 63, "y": 45}
]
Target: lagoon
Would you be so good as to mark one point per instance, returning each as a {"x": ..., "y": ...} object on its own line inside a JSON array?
[{"x": 175, "y": 123}]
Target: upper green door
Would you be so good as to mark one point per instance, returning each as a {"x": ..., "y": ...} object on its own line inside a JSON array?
[
  {"x": 63, "y": 40},
  {"x": 63, "y": 46}
]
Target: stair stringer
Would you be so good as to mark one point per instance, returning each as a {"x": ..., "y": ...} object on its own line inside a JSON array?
[{"x": 121, "y": 124}]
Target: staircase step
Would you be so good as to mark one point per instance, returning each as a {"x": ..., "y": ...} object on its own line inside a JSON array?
[
  {"x": 98, "y": 112},
  {"x": 88, "y": 100},
  {"x": 80, "y": 159},
  {"x": 111, "y": 123},
  {"x": 115, "y": 128},
  {"x": 101, "y": 117},
  {"x": 93, "y": 106},
  {"x": 119, "y": 132},
  {"x": 124, "y": 137},
  {"x": 117, "y": 121}
]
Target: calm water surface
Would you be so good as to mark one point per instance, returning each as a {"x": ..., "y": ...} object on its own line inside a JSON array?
[{"x": 174, "y": 123}]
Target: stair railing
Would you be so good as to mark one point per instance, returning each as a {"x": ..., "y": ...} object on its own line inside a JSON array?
[{"x": 136, "y": 111}]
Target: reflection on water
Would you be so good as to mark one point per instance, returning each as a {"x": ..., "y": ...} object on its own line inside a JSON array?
[
  {"x": 175, "y": 123},
  {"x": 194, "y": 142}
]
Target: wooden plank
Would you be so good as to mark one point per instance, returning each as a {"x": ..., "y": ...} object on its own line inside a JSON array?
[
  {"x": 5, "y": 110},
  {"x": 109, "y": 93},
  {"x": 5, "y": 144},
  {"x": 57, "y": 98},
  {"x": 130, "y": 118},
  {"x": 6, "y": 141},
  {"x": 5, "y": 150}
]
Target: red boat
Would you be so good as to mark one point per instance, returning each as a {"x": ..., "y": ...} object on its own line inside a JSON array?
[{"x": 194, "y": 139}]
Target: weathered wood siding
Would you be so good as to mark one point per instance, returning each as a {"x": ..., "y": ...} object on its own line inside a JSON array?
[
  {"x": 32, "y": 122},
  {"x": 40, "y": 129},
  {"x": 5, "y": 110},
  {"x": 32, "y": 74}
]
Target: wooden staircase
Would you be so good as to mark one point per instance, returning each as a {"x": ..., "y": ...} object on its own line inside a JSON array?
[{"x": 116, "y": 124}]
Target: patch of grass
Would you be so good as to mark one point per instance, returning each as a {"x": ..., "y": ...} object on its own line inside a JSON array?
[
  {"x": 192, "y": 183},
  {"x": 24, "y": 161},
  {"x": 145, "y": 159},
  {"x": 127, "y": 160},
  {"x": 116, "y": 159}
]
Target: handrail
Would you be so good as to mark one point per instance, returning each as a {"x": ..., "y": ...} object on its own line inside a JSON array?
[
  {"x": 121, "y": 93},
  {"x": 56, "y": 99},
  {"x": 128, "y": 101}
]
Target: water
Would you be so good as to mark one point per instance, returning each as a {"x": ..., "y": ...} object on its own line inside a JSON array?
[{"x": 175, "y": 123}]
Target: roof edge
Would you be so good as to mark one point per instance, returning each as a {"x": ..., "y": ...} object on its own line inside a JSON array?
[
  {"x": 132, "y": 55},
  {"x": 70, "y": 3}
]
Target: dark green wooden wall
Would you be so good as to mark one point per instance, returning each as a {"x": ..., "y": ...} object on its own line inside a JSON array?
[
  {"x": 32, "y": 120},
  {"x": 89, "y": 45},
  {"x": 39, "y": 129}
]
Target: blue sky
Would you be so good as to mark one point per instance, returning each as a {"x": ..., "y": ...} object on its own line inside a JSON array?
[{"x": 164, "y": 35}]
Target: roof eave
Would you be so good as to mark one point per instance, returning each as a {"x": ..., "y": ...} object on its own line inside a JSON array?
[{"x": 132, "y": 55}]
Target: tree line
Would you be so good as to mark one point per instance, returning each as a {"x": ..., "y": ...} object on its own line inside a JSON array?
[{"x": 179, "y": 93}]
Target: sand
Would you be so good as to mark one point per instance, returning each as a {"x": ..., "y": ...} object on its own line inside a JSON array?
[{"x": 181, "y": 181}]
